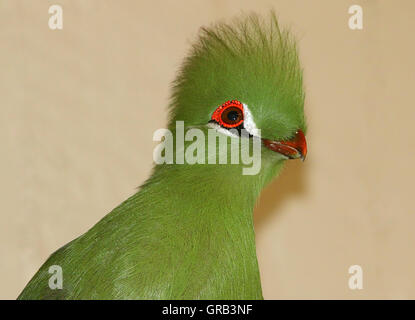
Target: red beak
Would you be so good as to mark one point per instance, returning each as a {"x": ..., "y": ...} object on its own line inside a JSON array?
[{"x": 292, "y": 149}]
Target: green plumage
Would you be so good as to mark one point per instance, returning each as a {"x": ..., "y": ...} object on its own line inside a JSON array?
[{"x": 188, "y": 232}]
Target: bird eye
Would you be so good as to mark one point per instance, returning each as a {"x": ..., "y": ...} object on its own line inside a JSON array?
[{"x": 230, "y": 114}]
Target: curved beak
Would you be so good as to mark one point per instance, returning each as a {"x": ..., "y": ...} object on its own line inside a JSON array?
[{"x": 292, "y": 149}]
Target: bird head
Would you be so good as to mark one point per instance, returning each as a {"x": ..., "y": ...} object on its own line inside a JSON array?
[{"x": 245, "y": 75}]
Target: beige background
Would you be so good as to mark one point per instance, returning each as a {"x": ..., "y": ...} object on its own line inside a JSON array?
[{"x": 79, "y": 107}]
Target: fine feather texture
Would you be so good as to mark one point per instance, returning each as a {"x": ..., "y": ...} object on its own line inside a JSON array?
[
  {"x": 250, "y": 60},
  {"x": 188, "y": 232}
]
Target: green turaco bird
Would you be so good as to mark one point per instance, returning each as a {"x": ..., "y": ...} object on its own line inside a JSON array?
[{"x": 188, "y": 232}]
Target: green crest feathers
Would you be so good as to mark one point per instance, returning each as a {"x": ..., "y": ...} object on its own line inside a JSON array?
[{"x": 250, "y": 59}]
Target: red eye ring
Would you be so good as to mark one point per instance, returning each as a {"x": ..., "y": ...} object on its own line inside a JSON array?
[{"x": 230, "y": 114}]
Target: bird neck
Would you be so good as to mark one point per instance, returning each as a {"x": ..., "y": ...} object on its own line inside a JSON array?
[
  {"x": 201, "y": 217},
  {"x": 211, "y": 191}
]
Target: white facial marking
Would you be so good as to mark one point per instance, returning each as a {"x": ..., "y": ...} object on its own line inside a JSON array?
[
  {"x": 220, "y": 129},
  {"x": 249, "y": 122},
  {"x": 249, "y": 125}
]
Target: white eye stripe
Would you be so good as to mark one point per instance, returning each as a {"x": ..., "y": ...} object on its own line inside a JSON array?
[
  {"x": 248, "y": 124},
  {"x": 222, "y": 130}
]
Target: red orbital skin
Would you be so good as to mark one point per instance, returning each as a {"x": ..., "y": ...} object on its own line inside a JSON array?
[{"x": 217, "y": 115}]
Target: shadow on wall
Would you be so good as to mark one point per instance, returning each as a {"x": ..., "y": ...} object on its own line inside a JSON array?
[{"x": 291, "y": 182}]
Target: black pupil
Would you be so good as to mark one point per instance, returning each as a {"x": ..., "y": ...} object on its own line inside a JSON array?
[{"x": 233, "y": 115}]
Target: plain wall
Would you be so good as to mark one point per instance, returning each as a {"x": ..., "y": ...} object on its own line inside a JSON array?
[{"x": 79, "y": 107}]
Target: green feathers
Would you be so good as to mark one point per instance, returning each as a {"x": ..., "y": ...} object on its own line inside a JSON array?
[
  {"x": 251, "y": 60},
  {"x": 188, "y": 233}
]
